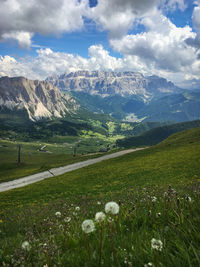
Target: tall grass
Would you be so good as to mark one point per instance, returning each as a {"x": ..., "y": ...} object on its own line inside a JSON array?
[{"x": 158, "y": 193}]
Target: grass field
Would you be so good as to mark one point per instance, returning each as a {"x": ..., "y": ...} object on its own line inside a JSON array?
[
  {"x": 158, "y": 193},
  {"x": 58, "y": 154}
]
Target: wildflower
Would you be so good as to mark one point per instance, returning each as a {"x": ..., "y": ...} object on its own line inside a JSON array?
[
  {"x": 100, "y": 216},
  {"x": 156, "y": 244},
  {"x": 77, "y": 208},
  {"x": 149, "y": 264},
  {"x": 188, "y": 199},
  {"x": 26, "y": 245},
  {"x": 158, "y": 214},
  {"x": 58, "y": 214},
  {"x": 67, "y": 219},
  {"x": 154, "y": 199},
  {"x": 61, "y": 227},
  {"x": 88, "y": 226},
  {"x": 98, "y": 203},
  {"x": 112, "y": 207},
  {"x": 165, "y": 194},
  {"x": 1, "y": 221}
]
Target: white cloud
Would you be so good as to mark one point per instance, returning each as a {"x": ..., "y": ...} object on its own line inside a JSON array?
[
  {"x": 48, "y": 63},
  {"x": 117, "y": 16},
  {"x": 23, "y": 38},
  {"x": 196, "y": 17},
  {"x": 20, "y": 19},
  {"x": 161, "y": 50},
  {"x": 174, "y": 4}
]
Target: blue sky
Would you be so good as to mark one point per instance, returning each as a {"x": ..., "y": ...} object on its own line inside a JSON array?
[{"x": 40, "y": 38}]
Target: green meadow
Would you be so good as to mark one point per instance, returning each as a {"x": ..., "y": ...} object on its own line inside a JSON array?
[
  {"x": 60, "y": 152},
  {"x": 158, "y": 193}
]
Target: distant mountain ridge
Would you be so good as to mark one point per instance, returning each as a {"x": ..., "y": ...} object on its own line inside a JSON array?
[
  {"x": 40, "y": 99},
  {"x": 104, "y": 83},
  {"x": 130, "y": 95}
]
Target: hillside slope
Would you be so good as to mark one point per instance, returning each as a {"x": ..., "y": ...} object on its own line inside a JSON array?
[
  {"x": 157, "y": 190},
  {"x": 156, "y": 135}
]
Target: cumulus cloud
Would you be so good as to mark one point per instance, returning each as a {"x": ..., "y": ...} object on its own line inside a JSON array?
[
  {"x": 117, "y": 16},
  {"x": 162, "y": 46},
  {"x": 161, "y": 50},
  {"x": 20, "y": 19},
  {"x": 195, "y": 41},
  {"x": 48, "y": 63}
]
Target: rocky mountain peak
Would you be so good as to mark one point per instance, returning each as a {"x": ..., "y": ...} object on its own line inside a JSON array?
[
  {"x": 105, "y": 83},
  {"x": 39, "y": 98}
]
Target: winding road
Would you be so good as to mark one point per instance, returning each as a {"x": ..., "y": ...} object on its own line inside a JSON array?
[{"x": 58, "y": 171}]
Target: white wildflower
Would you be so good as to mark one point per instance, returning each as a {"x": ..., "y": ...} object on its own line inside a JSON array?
[
  {"x": 100, "y": 216},
  {"x": 26, "y": 245},
  {"x": 112, "y": 207},
  {"x": 156, "y": 244},
  {"x": 98, "y": 203},
  {"x": 61, "y": 227},
  {"x": 188, "y": 199},
  {"x": 165, "y": 194},
  {"x": 77, "y": 208},
  {"x": 67, "y": 219},
  {"x": 154, "y": 199},
  {"x": 158, "y": 214},
  {"x": 88, "y": 226},
  {"x": 58, "y": 214},
  {"x": 149, "y": 264}
]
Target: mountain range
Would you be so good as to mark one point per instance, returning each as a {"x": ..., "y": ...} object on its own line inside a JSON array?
[
  {"x": 39, "y": 98},
  {"x": 127, "y": 96},
  {"x": 130, "y": 96},
  {"x": 106, "y": 84}
]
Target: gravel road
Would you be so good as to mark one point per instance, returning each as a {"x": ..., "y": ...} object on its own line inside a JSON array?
[{"x": 58, "y": 171}]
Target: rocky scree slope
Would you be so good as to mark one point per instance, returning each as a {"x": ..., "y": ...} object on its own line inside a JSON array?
[{"x": 41, "y": 99}]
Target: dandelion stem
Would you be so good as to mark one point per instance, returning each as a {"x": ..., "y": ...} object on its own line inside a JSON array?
[
  {"x": 88, "y": 246},
  {"x": 112, "y": 241},
  {"x": 100, "y": 245}
]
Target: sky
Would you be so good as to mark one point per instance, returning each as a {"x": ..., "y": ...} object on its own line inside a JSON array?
[{"x": 41, "y": 38}]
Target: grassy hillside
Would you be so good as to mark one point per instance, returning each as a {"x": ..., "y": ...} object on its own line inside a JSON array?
[
  {"x": 34, "y": 159},
  {"x": 149, "y": 208},
  {"x": 156, "y": 135},
  {"x": 180, "y": 107}
]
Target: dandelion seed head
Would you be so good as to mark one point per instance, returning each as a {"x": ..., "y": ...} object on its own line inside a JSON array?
[
  {"x": 58, "y": 214},
  {"x": 67, "y": 219},
  {"x": 77, "y": 208},
  {"x": 112, "y": 207},
  {"x": 188, "y": 199},
  {"x": 88, "y": 226},
  {"x": 154, "y": 199},
  {"x": 156, "y": 244},
  {"x": 158, "y": 214},
  {"x": 26, "y": 246},
  {"x": 100, "y": 216},
  {"x": 149, "y": 264}
]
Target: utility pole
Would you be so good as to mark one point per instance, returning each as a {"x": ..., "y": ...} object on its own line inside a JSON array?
[
  {"x": 74, "y": 152},
  {"x": 19, "y": 154}
]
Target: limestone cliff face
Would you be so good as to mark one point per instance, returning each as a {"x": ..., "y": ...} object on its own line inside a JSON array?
[
  {"x": 39, "y": 98},
  {"x": 112, "y": 83}
]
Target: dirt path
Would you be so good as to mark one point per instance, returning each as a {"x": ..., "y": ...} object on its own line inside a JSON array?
[{"x": 58, "y": 171}]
